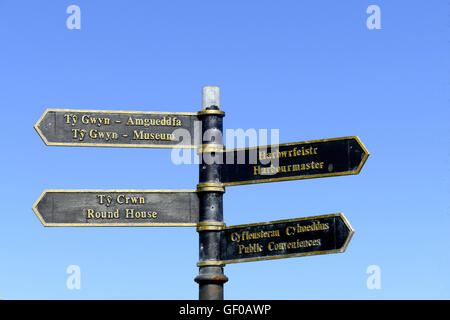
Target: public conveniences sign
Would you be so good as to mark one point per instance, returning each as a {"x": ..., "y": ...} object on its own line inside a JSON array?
[{"x": 285, "y": 238}]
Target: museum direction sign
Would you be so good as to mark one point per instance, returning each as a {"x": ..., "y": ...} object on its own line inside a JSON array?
[
  {"x": 94, "y": 208},
  {"x": 66, "y": 127},
  {"x": 285, "y": 238},
  {"x": 292, "y": 161}
]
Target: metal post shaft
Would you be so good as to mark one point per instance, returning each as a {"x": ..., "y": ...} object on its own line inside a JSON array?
[{"x": 211, "y": 277}]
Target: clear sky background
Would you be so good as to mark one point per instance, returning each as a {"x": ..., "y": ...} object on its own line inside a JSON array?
[{"x": 311, "y": 69}]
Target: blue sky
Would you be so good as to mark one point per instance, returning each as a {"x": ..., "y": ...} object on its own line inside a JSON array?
[{"x": 311, "y": 69}]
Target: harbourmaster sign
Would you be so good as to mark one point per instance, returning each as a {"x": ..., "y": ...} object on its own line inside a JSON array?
[{"x": 297, "y": 160}]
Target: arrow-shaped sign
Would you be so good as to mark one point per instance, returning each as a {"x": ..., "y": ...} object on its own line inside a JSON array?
[
  {"x": 292, "y": 161},
  {"x": 123, "y": 208},
  {"x": 285, "y": 238},
  {"x": 65, "y": 127}
]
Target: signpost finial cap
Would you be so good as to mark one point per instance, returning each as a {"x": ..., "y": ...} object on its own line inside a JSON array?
[{"x": 210, "y": 97}]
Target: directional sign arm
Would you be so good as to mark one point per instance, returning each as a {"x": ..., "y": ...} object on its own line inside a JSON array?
[
  {"x": 88, "y": 208},
  {"x": 286, "y": 238},
  {"x": 293, "y": 161},
  {"x": 98, "y": 128}
]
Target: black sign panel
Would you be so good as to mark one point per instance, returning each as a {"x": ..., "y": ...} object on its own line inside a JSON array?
[
  {"x": 292, "y": 161},
  {"x": 285, "y": 238},
  {"x": 61, "y": 127},
  {"x": 118, "y": 208}
]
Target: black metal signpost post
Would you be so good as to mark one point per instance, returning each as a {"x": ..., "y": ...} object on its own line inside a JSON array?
[
  {"x": 218, "y": 245},
  {"x": 210, "y": 277}
]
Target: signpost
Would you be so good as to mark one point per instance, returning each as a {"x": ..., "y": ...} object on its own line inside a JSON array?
[
  {"x": 293, "y": 161},
  {"x": 285, "y": 238},
  {"x": 203, "y": 207},
  {"x": 120, "y": 208}
]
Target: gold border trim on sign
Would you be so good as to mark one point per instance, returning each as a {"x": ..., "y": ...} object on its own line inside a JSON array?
[
  {"x": 340, "y": 250},
  {"x": 41, "y": 219},
  {"x": 320, "y": 175},
  {"x": 118, "y": 145}
]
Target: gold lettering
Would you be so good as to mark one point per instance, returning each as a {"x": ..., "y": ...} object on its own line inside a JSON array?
[
  {"x": 147, "y": 122},
  {"x": 273, "y": 246},
  {"x": 92, "y": 214},
  {"x": 141, "y": 135},
  {"x": 290, "y": 231},
  {"x": 250, "y": 248},
  {"x": 132, "y": 214},
  {"x": 130, "y": 121}
]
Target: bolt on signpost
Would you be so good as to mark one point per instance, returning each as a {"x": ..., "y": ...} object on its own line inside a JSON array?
[{"x": 219, "y": 168}]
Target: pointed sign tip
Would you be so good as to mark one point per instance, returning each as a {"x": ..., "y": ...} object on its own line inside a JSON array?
[{"x": 35, "y": 208}]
